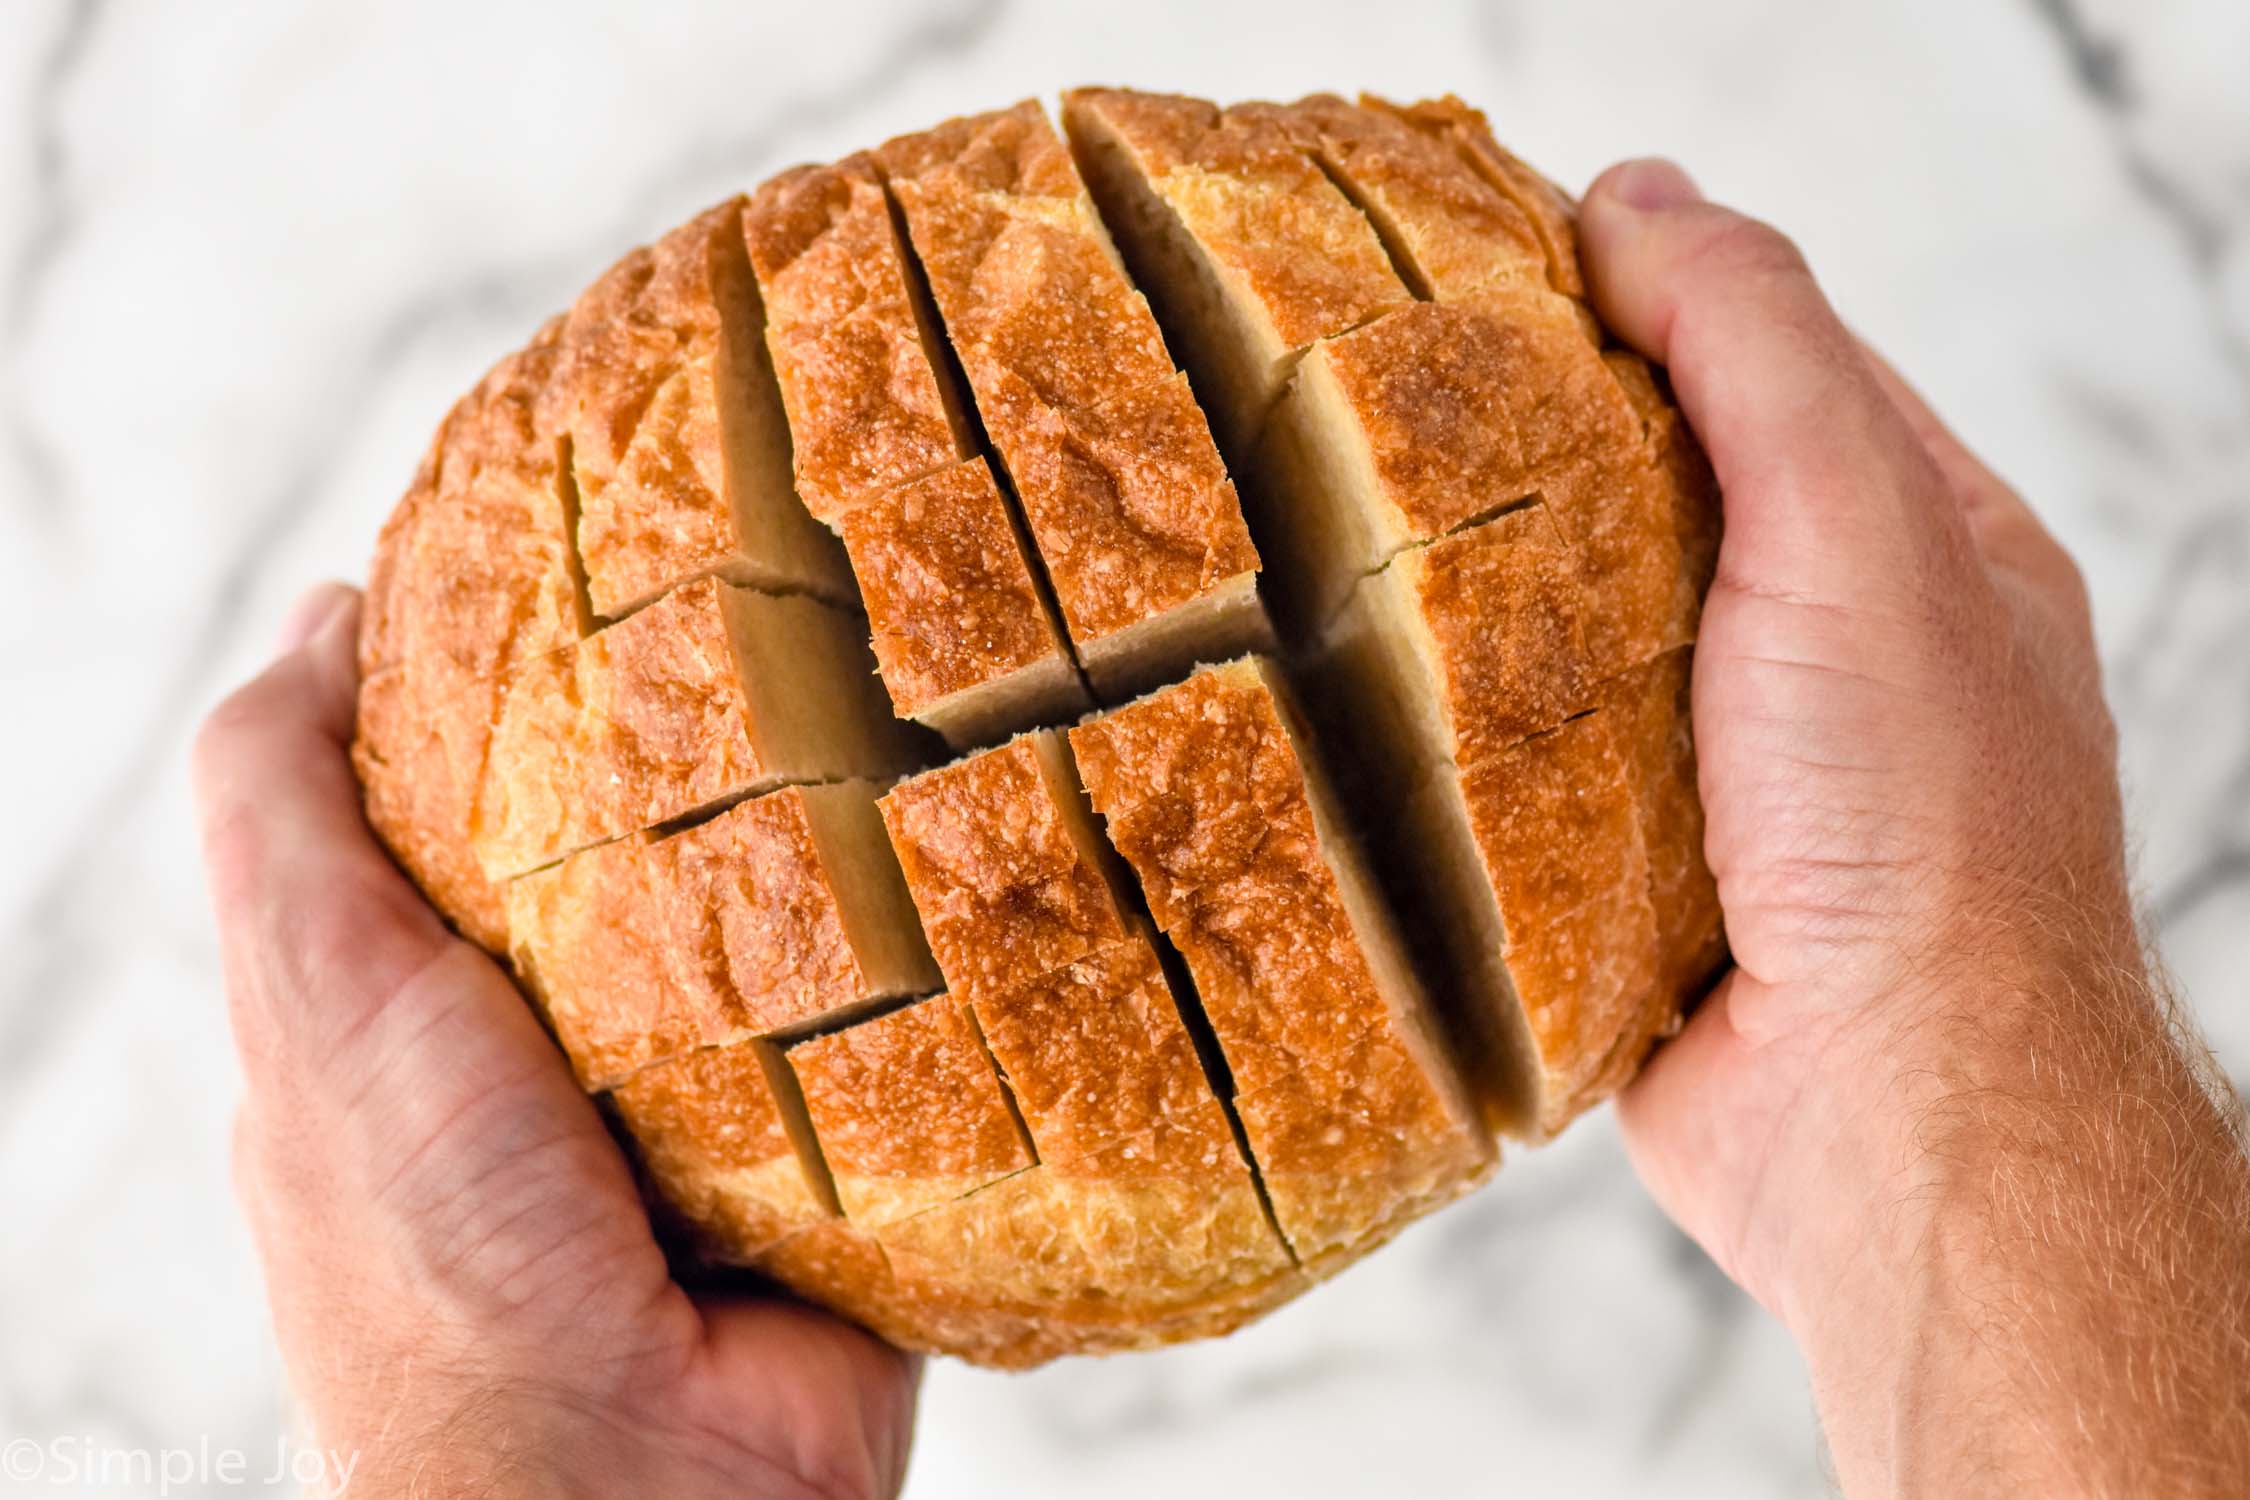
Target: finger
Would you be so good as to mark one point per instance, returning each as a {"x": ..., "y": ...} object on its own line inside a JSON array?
[
  {"x": 1829, "y": 499},
  {"x": 2007, "y": 530},
  {"x": 307, "y": 905},
  {"x": 830, "y": 1391}
]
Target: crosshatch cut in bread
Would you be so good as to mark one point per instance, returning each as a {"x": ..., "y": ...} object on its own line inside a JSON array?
[{"x": 1067, "y": 719}]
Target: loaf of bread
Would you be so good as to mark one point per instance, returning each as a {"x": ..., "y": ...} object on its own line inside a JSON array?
[{"x": 1065, "y": 725}]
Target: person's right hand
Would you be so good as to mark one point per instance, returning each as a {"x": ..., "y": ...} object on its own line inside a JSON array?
[{"x": 1902, "y": 1120}]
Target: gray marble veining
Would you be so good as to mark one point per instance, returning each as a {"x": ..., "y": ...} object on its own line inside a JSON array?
[{"x": 246, "y": 261}]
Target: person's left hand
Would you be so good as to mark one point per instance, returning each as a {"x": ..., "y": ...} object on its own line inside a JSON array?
[{"x": 463, "y": 1280}]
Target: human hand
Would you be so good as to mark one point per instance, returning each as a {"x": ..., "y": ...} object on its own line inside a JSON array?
[
  {"x": 1935, "y": 1119},
  {"x": 463, "y": 1281}
]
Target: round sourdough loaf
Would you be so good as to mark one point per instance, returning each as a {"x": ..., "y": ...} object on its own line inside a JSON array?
[{"x": 1065, "y": 724}]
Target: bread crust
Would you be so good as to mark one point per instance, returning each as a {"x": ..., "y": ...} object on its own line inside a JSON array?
[
  {"x": 867, "y": 407},
  {"x": 901, "y": 438},
  {"x": 1351, "y": 1104},
  {"x": 676, "y": 438},
  {"x": 746, "y": 925},
  {"x": 962, "y": 638}
]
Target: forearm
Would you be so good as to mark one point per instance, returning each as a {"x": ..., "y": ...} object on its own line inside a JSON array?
[{"x": 2055, "y": 1297}]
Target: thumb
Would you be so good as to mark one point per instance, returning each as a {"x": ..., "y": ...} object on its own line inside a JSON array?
[{"x": 1830, "y": 498}]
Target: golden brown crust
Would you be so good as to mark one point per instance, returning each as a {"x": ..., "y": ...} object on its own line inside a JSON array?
[
  {"x": 908, "y": 1111},
  {"x": 1491, "y": 532},
  {"x": 1304, "y": 986},
  {"x": 1649, "y": 706},
  {"x": 1558, "y": 837},
  {"x": 743, "y": 925},
  {"x": 708, "y": 694},
  {"x": 1552, "y": 215},
  {"x": 1503, "y": 610},
  {"x": 1018, "y": 263},
  {"x": 996, "y": 854},
  {"x": 1128, "y": 500},
  {"x": 867, "y": 408},
  {"x": 1241, "y": 182},
  {"x": 713, "y": 1137},
  {"x": 680, "y": 470},
  {"x": 1095, "y": 1052},
  {"x": 419, "y": 759},
  {"x": 1450, "y": 228},
  {"x": 473, "y": 573},
  {"x": 951, "y": 600}
]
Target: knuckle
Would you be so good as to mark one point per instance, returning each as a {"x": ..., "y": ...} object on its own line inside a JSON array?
[{"x": 1735, "y": 246}]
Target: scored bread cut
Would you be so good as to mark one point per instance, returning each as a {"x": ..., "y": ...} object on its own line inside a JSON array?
[{"x": 1064, "y": 725}]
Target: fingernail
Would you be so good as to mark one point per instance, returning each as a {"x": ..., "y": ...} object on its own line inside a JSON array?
[
  {"x": 1652, "y": 184},
  {"x": 309, "y": 615}
]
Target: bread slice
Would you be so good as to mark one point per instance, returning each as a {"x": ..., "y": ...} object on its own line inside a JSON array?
[
  {"x": 1353, "y": 1108},
  {"x": 1017, "y": 261},
  {"x": 677, "y": 440},
  {"x": 474, "y": 574},
  {"x": 720, "y": 1132},
  {"x": 962, "y": 638},
  {"x": 1127, "y": 500},
  {"x": 862, "y": 375},
  {"x": 1005, "y": 865},
  {"x": 1139, "y": 527},
  {"x": 1549, "y": 209},
  {"x": 1427, "y": 420},
  {"x": 1459, "y": 648},
  {"x": 1531, "y": 867},
  {"x": 783, "y": 912},
  {"x": 1449, "y": 230},
  {"x": 1095, "y": 1052},
  {"x": 908, "y": 1111},
  {"x": 711, "y": 693},
  {"x": 1247, "y": 250}
]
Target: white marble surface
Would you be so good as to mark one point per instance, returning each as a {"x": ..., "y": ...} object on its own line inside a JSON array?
[{"x": 249, "y": 253}]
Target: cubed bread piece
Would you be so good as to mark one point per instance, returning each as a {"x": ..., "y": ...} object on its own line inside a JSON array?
[
  {"x": 419, "y": 755},
  {"x": 964, "y": 641},
  {"x": 1095, "y": 1052},
  {"x": 1419, "y": 423},
  {"x": 863, "y": 377},
  {"x": 783, "y": 911},
  {"x": 1537, "y": 881},
  {"x": 908, "y": 1111},
  {"x": 1218, "y": 802},
  {"x": 1154, "y": 1227},
  {"x": 1649, "y": 706},
  {"x": 1353, "y": 1152},
  {"x": 607, "y": 946},
  {"x": 1459, "y": 648},
  {"x": 1625, "y": 520},
  {"x": 1022, "y": 272},
  {"x": 1246, "y": 248},
  {"x": 474, "y": 571},
  {"x": 1138, "y": 526},
  {"x": 712, "y": 692},
  {"x": 1005, "y": 865},
  {"x": 1549, "y": 209},
  {"x": 1449, "y": 230},
  {"x": 721, "y": 1133},
  {"x": 678, "y": 442}
]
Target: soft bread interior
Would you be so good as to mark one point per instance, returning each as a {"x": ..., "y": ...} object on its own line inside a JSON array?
[
  {"x": 878, "y": 915},
  {"x": 778, "y": 543},
  {"x": 816, "y": 708}
]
